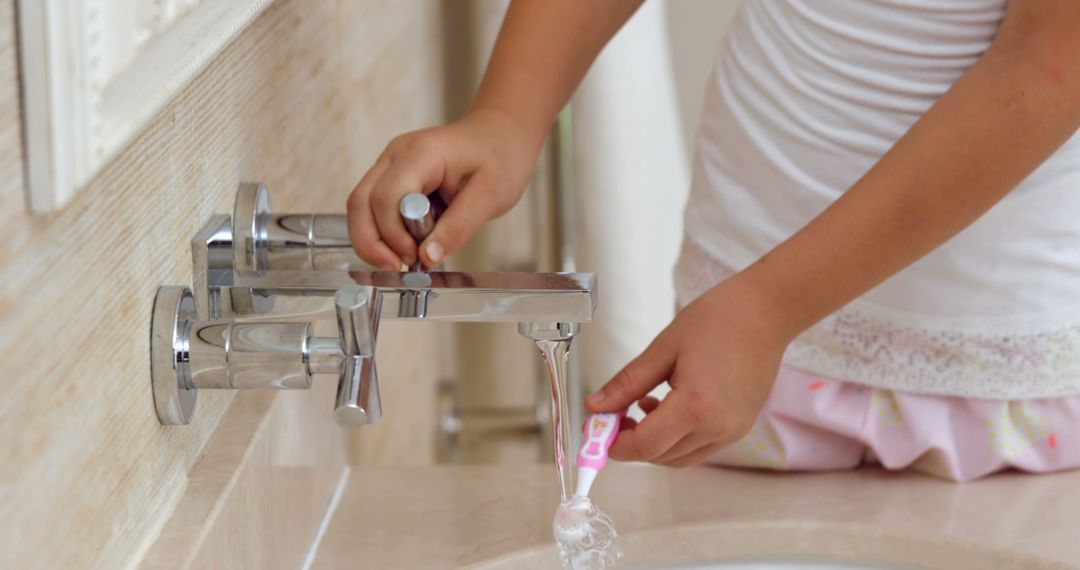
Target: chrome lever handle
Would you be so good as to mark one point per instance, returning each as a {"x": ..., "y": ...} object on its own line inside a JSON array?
[
  {"x": 419, "y": 213},
  {"x": 357, "y": 402},
  {"x": 357, "y": 308},
  {"x": 188, "y": 355},
  {"x": 262, "y": 240}
]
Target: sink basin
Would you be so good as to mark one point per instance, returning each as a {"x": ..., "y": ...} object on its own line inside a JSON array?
[
  {"x": 499, "y": 517},
  {"x": 788, "y": 545},
  {"x": 770, "y": 565}
]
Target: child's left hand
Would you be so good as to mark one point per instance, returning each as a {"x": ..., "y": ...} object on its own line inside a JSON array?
[{"x": 720, "y": 355}]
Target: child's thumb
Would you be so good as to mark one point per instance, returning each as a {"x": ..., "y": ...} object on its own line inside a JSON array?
[{"x": 470, "y": 209}]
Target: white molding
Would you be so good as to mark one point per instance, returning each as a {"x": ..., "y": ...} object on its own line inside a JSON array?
[{"x": 94, "y": 72}]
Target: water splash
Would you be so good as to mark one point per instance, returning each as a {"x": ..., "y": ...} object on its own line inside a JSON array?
[{"x": 585, "y": 536}]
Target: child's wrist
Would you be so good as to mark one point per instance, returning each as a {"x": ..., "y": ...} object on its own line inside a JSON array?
[
  {"x": 763, "y": 308},
  {"x": 533, "y": 130}
]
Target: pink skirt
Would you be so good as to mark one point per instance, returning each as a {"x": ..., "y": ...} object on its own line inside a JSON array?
[{"x": 812, "y": 423}]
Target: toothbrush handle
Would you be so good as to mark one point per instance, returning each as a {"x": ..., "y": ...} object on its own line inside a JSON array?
[{"x": 600, "y": 433}]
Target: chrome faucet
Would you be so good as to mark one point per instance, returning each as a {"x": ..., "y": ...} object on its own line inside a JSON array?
[{"x": 263, "y": 282}]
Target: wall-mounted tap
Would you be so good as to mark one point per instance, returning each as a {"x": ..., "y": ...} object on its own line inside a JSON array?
[{"x": 262, "y": 282}]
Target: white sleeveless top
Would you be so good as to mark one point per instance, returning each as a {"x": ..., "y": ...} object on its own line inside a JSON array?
[{"x": 806, "y": 97}]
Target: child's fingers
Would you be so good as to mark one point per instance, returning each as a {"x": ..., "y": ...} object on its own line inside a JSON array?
[
  {"x": 466, "y": 213},
  {"x": 636, "y": 379},
  {"x": 626, "y": 423},
  {"x": 407, "y": 173},
  {"x": 697, "y": 456},
  {"x": 694, "y": 439},
  {"x": 363, "y": 233},
  {"x": 688, "y": 444},
  {"x": 648, "y": 404},
  {"x": 653, "y": 436}
]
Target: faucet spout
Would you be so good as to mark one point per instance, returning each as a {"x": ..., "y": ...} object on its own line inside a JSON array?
[
  {"x": 549, "y": 331},
  {"x": 441, "y": 296}
]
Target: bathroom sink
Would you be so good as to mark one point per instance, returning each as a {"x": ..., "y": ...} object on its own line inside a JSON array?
[
  {"x": 499, "y": 518},
  {"x": 769, "y": 565},
  {"x": 785, "y": 545}
]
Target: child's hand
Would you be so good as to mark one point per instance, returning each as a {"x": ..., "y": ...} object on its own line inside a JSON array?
[
  {"x": 720, "y": 355},
  {"x": 480, "y": 165}
]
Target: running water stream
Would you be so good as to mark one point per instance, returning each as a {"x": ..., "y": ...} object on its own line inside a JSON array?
[
  {"x": 556, "y": 354},
  {"x": 584, "y": 535}
]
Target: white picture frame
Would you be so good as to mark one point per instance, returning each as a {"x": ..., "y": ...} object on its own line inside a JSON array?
[{"x": 94, "y": 72}]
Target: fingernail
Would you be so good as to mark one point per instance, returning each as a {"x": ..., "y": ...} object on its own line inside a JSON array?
[
  {"x": 388, "y": 267},
  {"x": 434, "y": 251},
  {"x": 409, "y": 261},
  {"x": 597, "y": 398}
]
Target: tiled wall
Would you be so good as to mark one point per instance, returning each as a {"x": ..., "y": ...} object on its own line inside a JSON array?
[{"x": 303, "y": 100}]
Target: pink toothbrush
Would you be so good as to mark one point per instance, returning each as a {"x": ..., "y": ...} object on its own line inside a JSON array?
[
  {"x": 600, "y": 432},
  {"x": 582, "y": 531}
]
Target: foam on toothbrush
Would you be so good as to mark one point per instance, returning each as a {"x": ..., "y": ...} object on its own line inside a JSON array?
[{"x": 585, "y": 535}]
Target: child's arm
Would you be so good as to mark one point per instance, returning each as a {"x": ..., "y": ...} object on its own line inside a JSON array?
[
  {"x": 1002, "y": 119},
  {"x": 482, "y": 163},
  {"x": 542, "y": 53}
]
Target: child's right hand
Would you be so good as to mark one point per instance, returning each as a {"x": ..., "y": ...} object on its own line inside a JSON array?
[{"x": 480, "y": 165}]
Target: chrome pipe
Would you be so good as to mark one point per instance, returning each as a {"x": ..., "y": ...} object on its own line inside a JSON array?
[
  {"x": 263, "y": 240},
  {"x": 324, "y": 355},
  {"x": 308, "y": 242},
  {"x": 227, "y": 355}
]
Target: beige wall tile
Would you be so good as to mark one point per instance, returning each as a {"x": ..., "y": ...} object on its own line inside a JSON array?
[{"x": 301, "y": 100}]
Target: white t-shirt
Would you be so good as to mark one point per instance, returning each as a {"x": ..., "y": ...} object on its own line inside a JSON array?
[{"x": 806, "y": 97}]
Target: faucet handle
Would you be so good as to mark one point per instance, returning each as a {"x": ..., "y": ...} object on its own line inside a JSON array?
[
  {"x": 419, "y": 212},
  {"x": 357, "y": 401},
  {"x": 357, "y": 308}
]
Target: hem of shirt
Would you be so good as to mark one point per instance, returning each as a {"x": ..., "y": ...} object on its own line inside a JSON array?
[
  {"x": 939, "y": 385},
  {"x": 816, "y": 359}
]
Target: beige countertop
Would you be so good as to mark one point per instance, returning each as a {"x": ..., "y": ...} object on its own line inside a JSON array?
[{"x": 500, "y": 517}]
